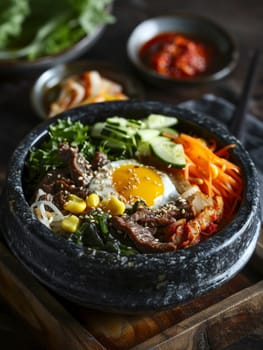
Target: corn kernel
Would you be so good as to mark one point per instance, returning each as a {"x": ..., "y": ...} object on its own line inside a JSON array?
[
  {"x": 70, "y": 223},
  {"x": 115, "y": 206},
  {"x": 75, "y": 204},
  {"x": 214, "y": 170},
  {"x": 93, "y": 200}
]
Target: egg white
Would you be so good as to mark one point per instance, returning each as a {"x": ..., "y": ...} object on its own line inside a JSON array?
[{"x": 102, "y": 183}]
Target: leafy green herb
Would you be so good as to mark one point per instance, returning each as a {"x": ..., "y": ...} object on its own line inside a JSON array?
[
  {"x": 34, "y": 28},
  {"x": 75, "y": 133},
  {"x": 45, "y": 157},
  {"x": 94, "y": 233},
  {"x": 12, "y": 15}
]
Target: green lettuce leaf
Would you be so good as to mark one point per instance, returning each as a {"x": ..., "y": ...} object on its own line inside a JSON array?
[
  {"x": 12, "y": 16},
  {"x": 48, "y": 26}
]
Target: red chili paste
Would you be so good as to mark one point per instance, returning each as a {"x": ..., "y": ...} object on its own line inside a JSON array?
[{"x": 177, "y": 56}]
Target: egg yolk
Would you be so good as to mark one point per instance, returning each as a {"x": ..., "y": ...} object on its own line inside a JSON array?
[{"x": 134, "y": 182}]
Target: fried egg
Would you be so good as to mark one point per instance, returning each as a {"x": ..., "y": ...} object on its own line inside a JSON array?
[{"x": 131, "y": 181}]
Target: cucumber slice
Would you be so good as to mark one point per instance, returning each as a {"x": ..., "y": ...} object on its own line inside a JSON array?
[
  {"x": 143, "y": 150},
  {"x": 96, "y": 130},
  {"x": 118, "y": 121},
  {"x": 115, "y": 144},
  {"x": 168, "y": 152},
  {"x": 109, "y": 131},
  {"x": 170, "y": 131},
  {"x": 114, "y": 128},
  {"x": 123, "y": 123},
  {"x": 147, "y": 134},
  {"x": 136, "y": 123},
  {"x": 114, "y": 134},
  {"x": 157, "y": 121}
]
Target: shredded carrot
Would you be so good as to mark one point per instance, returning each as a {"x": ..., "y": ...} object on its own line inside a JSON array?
[
  {"x": 223, "y": 152},
  {"x": 211, "y": 171}
]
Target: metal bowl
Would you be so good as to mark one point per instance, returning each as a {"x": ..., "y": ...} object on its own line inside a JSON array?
[
  {"x": 134, "y": 283},
  {"x": 188, "y": 24},
  {"x": 47, "y": 87}
]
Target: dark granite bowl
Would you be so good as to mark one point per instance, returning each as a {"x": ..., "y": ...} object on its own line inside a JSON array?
[
  {"x": 138, "y": 283},
  {"x": 192, "y": 25}
]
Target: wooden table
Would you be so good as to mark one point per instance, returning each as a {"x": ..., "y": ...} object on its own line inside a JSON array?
[{"x": 230, "y": 317}]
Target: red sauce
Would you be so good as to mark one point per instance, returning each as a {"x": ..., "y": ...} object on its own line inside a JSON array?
[{"x": 177, "y": 55}]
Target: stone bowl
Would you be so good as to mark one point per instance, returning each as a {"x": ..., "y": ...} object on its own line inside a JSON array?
[
  {"x": 136, "y": 283},
  {"x": 199, "y": 27}
]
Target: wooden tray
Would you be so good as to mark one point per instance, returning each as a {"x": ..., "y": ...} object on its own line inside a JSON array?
[{"x": 228, "y": 318}]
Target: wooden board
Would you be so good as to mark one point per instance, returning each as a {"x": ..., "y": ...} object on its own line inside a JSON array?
[
  {"x": 58, "y": 324},
  {"x": 236, "y": 322}
]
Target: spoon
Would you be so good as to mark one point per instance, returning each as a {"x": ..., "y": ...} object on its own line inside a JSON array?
[{"x": 237, "y": 124}]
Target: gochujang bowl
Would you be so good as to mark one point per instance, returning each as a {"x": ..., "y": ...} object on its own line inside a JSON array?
[
  {"x": 186, "y": 231},
  {"x": 183, "y": 49}
]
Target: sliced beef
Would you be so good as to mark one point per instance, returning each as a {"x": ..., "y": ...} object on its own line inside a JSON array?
[
  {"x": 99, "y": 160},
  {"x": 79, "y": 168},
  {"x": 73, "y": 178},
  {"x": 141, "y": 236},
  {"x": 59, "y": 185},
  {"x": 145, "y": 226},
  {"x": 165, "y": 215},
  {"x": 49, "y": 180}
]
